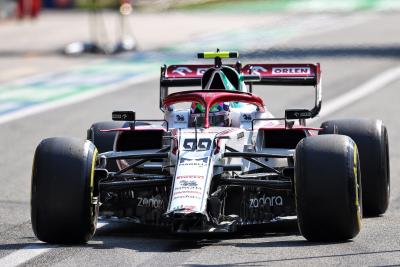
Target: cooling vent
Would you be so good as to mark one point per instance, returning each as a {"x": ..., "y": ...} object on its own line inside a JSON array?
[
  {"x": 139, "y": 140},
  {"x": 283, "y": 138}
]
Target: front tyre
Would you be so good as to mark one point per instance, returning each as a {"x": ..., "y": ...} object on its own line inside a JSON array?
[
  {"x": 63, "y": 208},
  {"x": 327, "y": 188}
]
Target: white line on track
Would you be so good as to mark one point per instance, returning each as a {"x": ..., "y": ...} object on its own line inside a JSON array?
[
  {"x": 375, "y": 84},
  {"x": 31, "y": 251},
  {"x": 74, "y": 99}
]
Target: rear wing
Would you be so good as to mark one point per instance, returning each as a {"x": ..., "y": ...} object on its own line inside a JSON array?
[
  {"x": 253, "y": 74},
  {"x": 284, "y": 74},
  {"x": 182, "y": 75}
]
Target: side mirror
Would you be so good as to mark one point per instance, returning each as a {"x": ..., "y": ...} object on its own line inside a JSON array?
[
  {"x": 123, "y": 116},
  {"x": 297, "y": 114}
]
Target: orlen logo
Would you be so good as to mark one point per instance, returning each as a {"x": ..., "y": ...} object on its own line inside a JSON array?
[
  {"x": 262, "y": 201},
  {"x": 291, "y": 71}
]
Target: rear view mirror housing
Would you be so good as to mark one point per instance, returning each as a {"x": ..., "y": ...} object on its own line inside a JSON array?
[{"x": 123, "y": 115}]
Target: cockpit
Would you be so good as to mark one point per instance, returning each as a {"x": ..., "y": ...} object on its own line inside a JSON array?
[{"x": 212, "y": 107}]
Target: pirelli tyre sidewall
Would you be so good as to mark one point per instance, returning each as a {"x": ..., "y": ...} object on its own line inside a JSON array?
[
  {"x": 63, "y": 207},
  {"x": 372, "y": 141},
  {"x": 327, "y": 188}
]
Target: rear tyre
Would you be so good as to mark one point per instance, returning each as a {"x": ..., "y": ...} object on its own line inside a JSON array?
[
  {"x": 104, "y": 141},
  {"x": 372, "y": 141},
  {"x": 327, "y": 188},
  {"x": 63, "y": 208}
]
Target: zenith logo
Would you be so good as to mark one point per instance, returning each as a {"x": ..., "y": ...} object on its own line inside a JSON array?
[{"x": 181, "y": 70}]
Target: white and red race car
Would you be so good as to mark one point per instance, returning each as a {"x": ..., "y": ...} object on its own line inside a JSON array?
[{"x": 217, "y": 161}]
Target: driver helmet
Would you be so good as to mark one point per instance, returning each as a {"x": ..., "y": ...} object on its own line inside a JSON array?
[{"x": 219, "y": 114}]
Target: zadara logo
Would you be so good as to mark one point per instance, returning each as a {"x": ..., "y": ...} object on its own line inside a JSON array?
[
  {"x": 264, "y": 200},
  {"x": 152, "y": 202}
]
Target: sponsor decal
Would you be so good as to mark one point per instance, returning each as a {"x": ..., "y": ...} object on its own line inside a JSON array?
[
  {"x": 179, "y": 118},
  {"x": 203, "y": 144},
  {"x": 200, "y": 71},
  {"x": 182, "y": 207},
  {"x": 187, "y": 183},
  {"x": 193, "y": 192},
  {"x": 291, "y": 71},
  {"x": 185, "y": 197},
  {"x": 302, "y": 114},
  {"x": 266, "y": 200},
  {"x": 181, "y": 71},
  {"x": 192, "y": 173},
  {"x": 246, "y": 117},
  {"x": 193, "y": 162},
  {"x": 119, "y": 116},
  {"x": 152, "y": 202},
  {"x": 258, "y": 70},
  {"x": 190, "y": 177}
]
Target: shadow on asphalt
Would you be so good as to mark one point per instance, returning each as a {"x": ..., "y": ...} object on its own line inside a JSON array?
[
  {"x": 286, "y": 260},
  {"x": 386, "y": 51},
  {"x": 362, "y": 51},
  {"x": 149, "y": 239},
  {"x": 128, "y": 229}
]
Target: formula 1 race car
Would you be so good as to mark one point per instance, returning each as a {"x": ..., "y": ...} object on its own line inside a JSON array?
[{"x": 217, "y": 161}]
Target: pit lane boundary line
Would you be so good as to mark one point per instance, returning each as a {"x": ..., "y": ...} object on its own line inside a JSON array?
[
  {"x": 371, "y": 86},
  {"x": 29, "y": 252}
]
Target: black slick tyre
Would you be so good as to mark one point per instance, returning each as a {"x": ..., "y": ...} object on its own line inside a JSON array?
[
  {"x": 63, "y": 208},
  {"x": 104, "y": 141},
  {"x": 327, "y": 188},
  {"x": 372, "y": 141}
]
